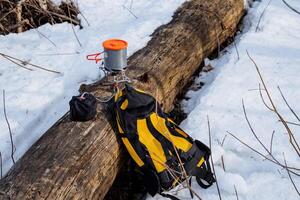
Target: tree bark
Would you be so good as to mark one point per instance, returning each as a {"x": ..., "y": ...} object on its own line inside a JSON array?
[{"x": 81, "y": 160}]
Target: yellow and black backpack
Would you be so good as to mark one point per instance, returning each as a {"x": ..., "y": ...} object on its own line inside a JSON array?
[{"x": 157, "y": 145}]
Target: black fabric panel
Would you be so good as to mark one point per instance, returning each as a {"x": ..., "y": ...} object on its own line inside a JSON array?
[
  {"x": 128, "y": 124},
  {"x": 140, "y": 104}
]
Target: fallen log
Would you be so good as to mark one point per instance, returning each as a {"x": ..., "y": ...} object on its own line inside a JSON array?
[{"x": 81, "y": 160}]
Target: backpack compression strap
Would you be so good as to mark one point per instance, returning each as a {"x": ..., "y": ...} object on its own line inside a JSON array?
[{"x": 197, "y": 164}]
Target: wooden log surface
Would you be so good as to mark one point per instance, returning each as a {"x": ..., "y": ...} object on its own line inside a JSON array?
[{"x": 81, "y": 160}]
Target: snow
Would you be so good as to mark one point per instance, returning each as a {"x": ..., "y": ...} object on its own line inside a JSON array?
[
  {"x": 35, "y": 100},
  {"x": 276, "y": 49}
]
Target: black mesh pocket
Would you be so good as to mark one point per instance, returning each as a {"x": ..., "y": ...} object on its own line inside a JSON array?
[{"x": 83, "y": 107}]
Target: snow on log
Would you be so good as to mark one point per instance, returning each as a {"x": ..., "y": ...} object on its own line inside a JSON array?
[{"x": 81, "y": 160}]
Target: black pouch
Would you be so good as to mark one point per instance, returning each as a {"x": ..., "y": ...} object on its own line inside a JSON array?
[{"x": 83, "y": 107}]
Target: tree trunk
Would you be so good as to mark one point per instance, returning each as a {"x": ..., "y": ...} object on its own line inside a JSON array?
[{"x": 81, "y": 160}]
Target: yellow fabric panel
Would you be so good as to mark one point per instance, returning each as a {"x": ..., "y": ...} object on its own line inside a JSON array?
[
  {"x": 119, "y": 127},
  {"x": 160, "y": 125},
  {"x": 132, "y": 152},
  {"x": 124, "y": 104},
  {"x": 118, "y": 95},
  {"x": 181, "y": 132},
  {"x": 118, "y": 123},
  {"x": 170, "y": 120},
  {"x": 140, "y": 91},
  {"x": 200, "y": 162},
  {"x": 154, "y": 147}
]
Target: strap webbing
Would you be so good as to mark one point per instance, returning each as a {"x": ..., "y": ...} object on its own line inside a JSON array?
[{"x": 169, "y": 196}]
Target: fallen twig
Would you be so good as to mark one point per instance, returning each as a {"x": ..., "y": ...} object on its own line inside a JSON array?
[
  {"x": 0, "y": 165},
  {"x": 131, "y": 3},
  {"x": 11, "y": 58},
  {"x": 130, "y": 11},
  {"x": 15, "y": 62},
  {"x": 271, "y": 143},
  {"x": 222, "y": 143},
  {"x": 41, "y": 34},
  {"x": 236, "y": 193},
  {"x": 58, "y": 54},
  {"x": 9, "y": 129},
  {"x": 260, "y": 17},
  {"x": 293, "y": 9},
  {"x": 85, "y": 19},
  {"x": 236, "y": 49},
  {"x": 223, "y": 163},
  {"x": 211, "y": 158}
]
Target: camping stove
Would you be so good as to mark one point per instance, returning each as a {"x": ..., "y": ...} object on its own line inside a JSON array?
[{"x": 114, "y": 61}]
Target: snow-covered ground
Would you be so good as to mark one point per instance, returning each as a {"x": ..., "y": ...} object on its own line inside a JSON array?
[
  {"x": 276, "y": 49},
  {"x": 37, "y": 99}
]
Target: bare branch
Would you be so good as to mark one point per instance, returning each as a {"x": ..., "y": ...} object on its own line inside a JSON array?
[
  {"x": 9, "y": 129},
  {"x": 271, "y": 143},
  {"x": 254, "y": 133},
  {"x": 292, "y": 139},
  {"x": 236, "y": 193},
  {"x": 222, "y": 143},
  {"x": 292, "y": 123},
  {"x": 211, "y": 158},
  {"x": 288, "y": 105},
  {"x": 85, "y": 19},
  {"x": 265, "y": 157},
  {"x": 184, "y": 172},
  {"x": 263, "y": 99},
  {"x": 292, "y": 181},
  {"x": 73, "y": 27}
]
